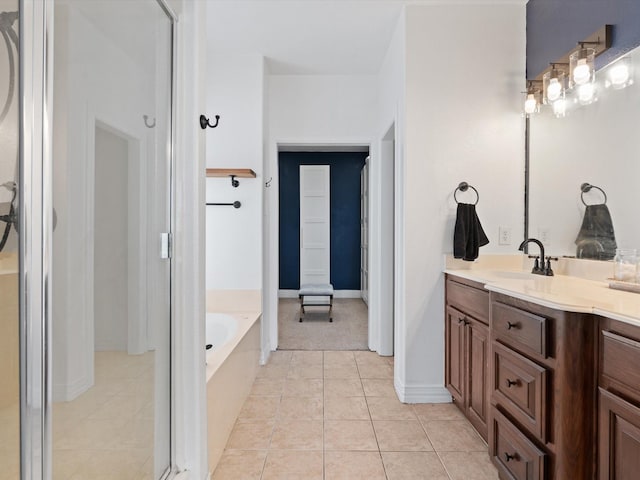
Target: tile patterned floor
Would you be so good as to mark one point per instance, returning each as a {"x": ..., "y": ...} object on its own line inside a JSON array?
[
  {"x": 335, "y": 415},
  {"x": 107, "y": 432}
]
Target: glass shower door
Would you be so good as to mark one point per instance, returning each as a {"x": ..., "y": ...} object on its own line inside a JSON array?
[
  {"x": 9, "y": 268},
  {"x": 111, "y": 326}
]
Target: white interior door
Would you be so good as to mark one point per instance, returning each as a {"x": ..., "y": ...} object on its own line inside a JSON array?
[{"x": 315, "y": 224}]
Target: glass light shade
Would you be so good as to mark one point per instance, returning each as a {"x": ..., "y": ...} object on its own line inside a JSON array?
[
  {"x": 619, "y": 74},
  {"x": 560, "y": 108},
  {"x": 553, "y": 86},
  {"x": 587, "y": 94},
  {"x": 532, "y": 102},
  {"x": 554, "y": 89},
  {"x": 581, "y": 67}
]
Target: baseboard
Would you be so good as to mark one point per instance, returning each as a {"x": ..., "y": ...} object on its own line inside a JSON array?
[
  {"x": 347, "y": 294},
  {"x": 336, "y": 294},
  {"x": 422, "y": 393},
  {"x": 265, "y": 354},
  {"x": 66, "y": 392},
  {"x": 287, "y": 293}
]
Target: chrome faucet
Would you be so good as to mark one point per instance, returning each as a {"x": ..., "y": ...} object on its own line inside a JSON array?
[{"x": 538, "y": 269}]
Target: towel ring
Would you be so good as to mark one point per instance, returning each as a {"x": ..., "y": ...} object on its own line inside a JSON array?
[
  {"x": 463, "y": 187},
  {"x": 585, "y": 187}
]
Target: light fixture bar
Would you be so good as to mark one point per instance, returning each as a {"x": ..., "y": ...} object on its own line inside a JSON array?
[{"x": 599, "y": 40}]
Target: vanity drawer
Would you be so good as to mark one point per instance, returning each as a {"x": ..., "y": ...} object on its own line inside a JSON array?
[
  {"x": 620, "y": 359},
  {"x": 513, "y": 454},
  {"x": 520, "y": 387},
  {"x": 522, "y": 330},
  {"x": 470, "y": 300}
]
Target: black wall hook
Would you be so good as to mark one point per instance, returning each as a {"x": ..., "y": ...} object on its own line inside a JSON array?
[
  {"x": 146, "y": 122},
  {"x": 204, "y": 122},
  {"x": 234, "y": 181}
]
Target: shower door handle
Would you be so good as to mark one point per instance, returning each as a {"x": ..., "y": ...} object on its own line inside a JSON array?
[{"x": 165, "y": 245}]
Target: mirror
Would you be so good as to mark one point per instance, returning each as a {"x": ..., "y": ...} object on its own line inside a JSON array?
[{"x": 598, "y": 144}]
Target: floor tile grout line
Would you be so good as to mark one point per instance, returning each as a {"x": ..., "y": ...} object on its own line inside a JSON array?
[
  {"x": 423, "y": 428},
  {"x": 375, "y": 434},
  {"x": 446, "y": 470},
  {"x": 323, "y": 420},
  {"x": 275, "y": 424}
]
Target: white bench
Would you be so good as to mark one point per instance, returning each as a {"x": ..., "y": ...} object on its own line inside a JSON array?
[{"x": 315, "y": 290}]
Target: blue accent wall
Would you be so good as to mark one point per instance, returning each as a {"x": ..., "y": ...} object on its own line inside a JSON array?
[
  {"x": 555, "y": 26},
  {"x": 345, "y": 170}
]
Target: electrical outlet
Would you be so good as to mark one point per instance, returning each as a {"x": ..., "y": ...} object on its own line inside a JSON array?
[
  {"x": 504, "y": 236},
  {"x": 544, "y": 234}
]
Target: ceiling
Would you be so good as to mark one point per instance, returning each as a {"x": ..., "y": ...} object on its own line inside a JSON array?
[
  {"x": 311, "y": 37},
  {"x": 305, "y": 37}
]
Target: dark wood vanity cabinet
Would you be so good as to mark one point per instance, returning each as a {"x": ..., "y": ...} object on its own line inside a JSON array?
[
  {"x": 542, "y": 385},
  {"x": 555, "y": 394},
  {"x": 619, "y": 401},
  {"x": 467, "y": 349}
]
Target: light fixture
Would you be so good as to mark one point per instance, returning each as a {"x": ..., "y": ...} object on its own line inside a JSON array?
[
  {"x": 586, "y": 94},
  {"x": 533, "y": 98},
  {"x": 582, "y": 68},
  {"x": 560, "y": 108},
  {"x": 619, "y": 74},
  {"x": 569, "y": 74},
  {"x": 553, "y": 85}
]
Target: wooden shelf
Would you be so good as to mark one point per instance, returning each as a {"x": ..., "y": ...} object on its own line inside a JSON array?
[{"x": 227, "y": 172}]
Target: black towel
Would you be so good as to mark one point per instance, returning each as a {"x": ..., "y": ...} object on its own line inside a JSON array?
[
  {"x": 596, "y": 239},
  {"x": 468, "y": 235}
]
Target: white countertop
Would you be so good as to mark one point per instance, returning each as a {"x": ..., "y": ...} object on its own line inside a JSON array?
[{"x": 560, "y": 292}]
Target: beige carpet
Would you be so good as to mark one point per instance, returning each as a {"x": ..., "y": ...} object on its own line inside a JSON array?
[{"x": 348, "y": 331}]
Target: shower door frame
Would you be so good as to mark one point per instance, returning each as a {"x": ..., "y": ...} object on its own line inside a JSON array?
[{"x": 36, "y": 232}]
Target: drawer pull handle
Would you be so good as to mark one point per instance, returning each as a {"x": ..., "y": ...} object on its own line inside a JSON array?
[
  {"x": 509, "y": 457},
  {"x": 463, "y": 320},
  {"x": 511, "y": 383},
  {"x": 512, "y": 325}
]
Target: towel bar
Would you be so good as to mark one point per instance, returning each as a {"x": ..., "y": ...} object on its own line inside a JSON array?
[
  {"x": 235, "y": 204},
  {"x": 463, "y": 187},
  {"x": 586, "y": 187}
]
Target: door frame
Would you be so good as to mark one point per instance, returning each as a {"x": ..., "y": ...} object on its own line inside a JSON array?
[
  {"x": 384, "y": 262},
  {"x": 271, "y": 225}
]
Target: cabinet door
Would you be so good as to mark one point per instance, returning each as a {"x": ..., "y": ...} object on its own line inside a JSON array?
[
  {"x": 619, "y": 438},
  {"x": 455, "y": 364},
  {"x": 477, "y": 395}
]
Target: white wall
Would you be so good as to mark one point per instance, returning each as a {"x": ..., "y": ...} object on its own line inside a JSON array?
[
  {"x": 234, "y": 236},
  {"x": 189, "y": 230},
  {"x": 309, "y": 110},
  {"x": 385, "y": 312},
  {"x": 465, "y": 67}
]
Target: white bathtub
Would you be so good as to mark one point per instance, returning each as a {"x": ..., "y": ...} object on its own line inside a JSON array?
[
  {"x": 220, "y": 329},
  {"x": 232, "y": 365}
]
